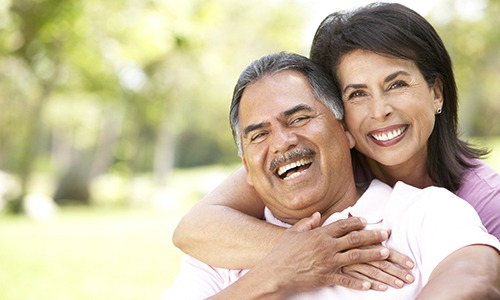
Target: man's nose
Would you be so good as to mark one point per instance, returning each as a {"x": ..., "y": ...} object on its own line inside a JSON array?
[{"x": 283, "y": 140}]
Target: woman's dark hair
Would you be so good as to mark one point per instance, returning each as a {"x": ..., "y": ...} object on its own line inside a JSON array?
[{"x": 394, "y": 30}]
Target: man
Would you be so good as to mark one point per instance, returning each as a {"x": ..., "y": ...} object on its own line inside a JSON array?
[{"x": 286, "y": 123}]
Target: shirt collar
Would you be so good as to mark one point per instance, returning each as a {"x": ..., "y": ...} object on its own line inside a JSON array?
[{"x": 371, "y": 206}]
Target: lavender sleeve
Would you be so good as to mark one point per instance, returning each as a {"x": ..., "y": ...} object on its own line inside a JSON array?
[{"x": 481, "y": 188}]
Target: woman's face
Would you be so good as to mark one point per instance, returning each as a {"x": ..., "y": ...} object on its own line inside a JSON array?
[{"x": 389, "y": 107}]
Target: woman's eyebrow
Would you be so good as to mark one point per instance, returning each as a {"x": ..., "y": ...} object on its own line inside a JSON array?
[
  {"x": 394, "y": 75},
  {"x": 354, "y": 86}
]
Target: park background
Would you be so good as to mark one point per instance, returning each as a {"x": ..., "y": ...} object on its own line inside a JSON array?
[{"x": 114, "y": 121}]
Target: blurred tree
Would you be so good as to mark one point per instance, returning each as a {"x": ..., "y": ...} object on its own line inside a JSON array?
[
  {"x": 36, "y": 40},
  {"x": 125, "y": 84},
  {"x": 473, "y": 39}
]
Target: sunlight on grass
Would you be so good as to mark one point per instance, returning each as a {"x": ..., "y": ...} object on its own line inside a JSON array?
[
  {"x": 87, "y": 254},
  {"x": 100, "y": 252}
]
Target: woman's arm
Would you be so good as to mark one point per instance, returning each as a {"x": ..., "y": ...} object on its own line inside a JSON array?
[
  {"x": 225, "y": 228},
  {"x": 472, "y": 272}
]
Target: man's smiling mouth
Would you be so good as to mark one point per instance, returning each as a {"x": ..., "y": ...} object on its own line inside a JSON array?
[
  {"x": 294, "y": 169},
  {"x": 292, "y": 163}
]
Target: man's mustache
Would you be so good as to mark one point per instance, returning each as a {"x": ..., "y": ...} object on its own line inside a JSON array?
[{"x": 290, "y": 155}]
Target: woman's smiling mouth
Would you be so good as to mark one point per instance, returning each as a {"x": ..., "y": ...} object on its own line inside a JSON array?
[{"x": 388, "y": 135}]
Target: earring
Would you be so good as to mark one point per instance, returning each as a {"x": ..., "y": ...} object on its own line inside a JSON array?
[{"x": 438, "y": 111}]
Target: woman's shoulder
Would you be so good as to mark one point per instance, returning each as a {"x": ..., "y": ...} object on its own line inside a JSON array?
[
  {"x": 481, "y": 188},
  {"x": 482, "y": 176}
]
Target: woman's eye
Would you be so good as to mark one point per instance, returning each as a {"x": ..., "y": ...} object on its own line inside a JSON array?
[
  {"x": 355, "y": 94},
  {"x": 398, "y": 84}
]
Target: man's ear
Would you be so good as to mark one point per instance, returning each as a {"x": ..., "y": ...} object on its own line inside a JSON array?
[
  {"x": 249, "y": 179},
  {"x": 350, "y": 139},
  {"x": 437, "y": 90}
]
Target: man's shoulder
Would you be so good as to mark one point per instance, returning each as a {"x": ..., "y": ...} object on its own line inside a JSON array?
[{"x": 408, "y": 200}]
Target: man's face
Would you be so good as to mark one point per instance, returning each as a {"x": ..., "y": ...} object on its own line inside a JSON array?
[{"x": 296, "y": 153}]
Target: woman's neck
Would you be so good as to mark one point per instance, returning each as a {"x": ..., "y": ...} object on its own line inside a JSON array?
[{"x": 414, "y": 174}]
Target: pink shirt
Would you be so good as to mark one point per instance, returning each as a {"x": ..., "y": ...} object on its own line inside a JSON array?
[
  {"x": 480, "y": 187},
  {"x": 421, "y": 226}
]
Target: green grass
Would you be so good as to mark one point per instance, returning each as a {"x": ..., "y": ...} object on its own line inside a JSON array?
[
  {"x": 88, "y": 254},
  {"x": 101, "y": 252}
]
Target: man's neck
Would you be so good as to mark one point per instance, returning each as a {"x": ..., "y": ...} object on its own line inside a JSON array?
[{"x": 348, "y": 199}]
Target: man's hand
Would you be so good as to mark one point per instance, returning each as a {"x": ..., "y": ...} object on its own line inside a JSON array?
[{"x": 308, "y": 256}]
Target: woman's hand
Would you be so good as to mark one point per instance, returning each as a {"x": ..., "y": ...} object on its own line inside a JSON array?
[{"x": 394, "y": 271}]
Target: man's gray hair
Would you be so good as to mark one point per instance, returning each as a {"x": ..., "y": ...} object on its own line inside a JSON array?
[{"x": 321, "y": 84}]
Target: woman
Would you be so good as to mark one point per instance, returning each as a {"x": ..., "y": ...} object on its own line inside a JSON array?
[{"x": 383, "y": 57}]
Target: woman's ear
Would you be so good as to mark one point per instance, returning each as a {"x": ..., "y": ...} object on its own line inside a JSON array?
[{"x": 437, "y": 90}]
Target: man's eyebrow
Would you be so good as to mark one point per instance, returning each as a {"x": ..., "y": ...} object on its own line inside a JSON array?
[
  {"x": 286, "y": 113},
  {"x": 253, "y": 127},
  {"x": 296, "y": 109}
]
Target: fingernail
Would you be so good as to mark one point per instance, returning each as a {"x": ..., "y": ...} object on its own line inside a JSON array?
[
  {"x": 382, "y": 287},
  {"x": 399, "y": 283},
  {"x": 410, "y": 278},
  {"x": 363, "y": 220},
  {"x": 366, "y": 285},
  {"x": 385, "y": 234},
  {"x": 385, "y": 252},
  {"x": 410, "y": 264}
]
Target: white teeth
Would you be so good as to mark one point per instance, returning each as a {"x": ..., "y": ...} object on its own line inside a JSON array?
[
  {"x": 282, "y": 170},
  {"x": 389, "y": 135}
]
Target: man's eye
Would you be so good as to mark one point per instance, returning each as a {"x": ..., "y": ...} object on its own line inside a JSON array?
[
  {"x": 299, "y": 120},
  {"x": 258, "y": 136}
]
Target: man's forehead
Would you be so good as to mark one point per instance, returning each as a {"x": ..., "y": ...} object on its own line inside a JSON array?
[{"x": 274, "y": 95}]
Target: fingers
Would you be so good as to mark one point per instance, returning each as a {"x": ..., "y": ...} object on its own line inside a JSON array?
[
  {"x": 384, "y": 273},
  {"x": 358, "y": 239},
  {"x": 401, "y": 260},
  {"x": 344, "y": 226},
  {"x": 389, "y": 273},
  {"x": 358, "y": 271},
  {"x": 360, "y": 255},
  {"x": 350, "y": 282},
  {"x": 307, "y": 224},
  {"x": 376, "y": 273}
]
